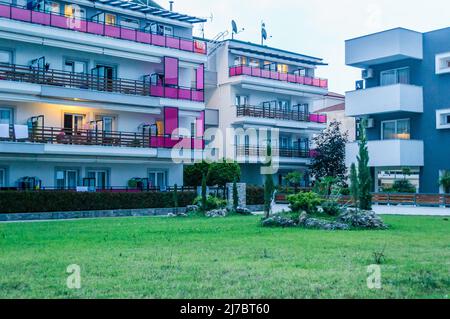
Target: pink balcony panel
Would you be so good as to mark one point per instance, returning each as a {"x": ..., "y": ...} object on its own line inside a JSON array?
[
  {"x": 95, "y": 28},
  {"x": 300, "y": 79},
  {"x": 283, "y": 76},
  {"x": 157, "y": 90},
  {"x": 59, "y": 22},
  {"x": 5, "y": 11},
  {"x": 274, "y": 75},
  {"x": 173, "y": 43},
  {"x": 40, "y": 18},
  {"x": 246, "y": 70},
  {"x": 143, "y": 37},
  {"x": 322, "y": 118},
  {"x": 79, "y": 25},
  {"x": 198, "y": 144},
  {"x": 200, "y": 77},
  {"x": 184, "y": 94},
  {"x": 292, "y": 78},
  {"x": 128, "y": 34},
  {"x": 256, "y": 72},
  {"x": 112, "y": 31},
  {"x": 186, "y": 45},
  {"x": 233, "y": 71},
  {"x": 20, "y": 14},
  {"x": 313, "y": 118},
  {"x": 198, "y": 96},
  {"x": 200, "y": 125},
  {"x": 265, "y": 74},
  {"x": 171, "y": 71},
  {"x": 159, "y": 40},
  {"x": 170, "y": 120},
  {"x": 171, "y": 93},
  {"x": 316, "y": 82},
  {"x": 308, "y": 81},
  {"x": 324, "y": 83}
]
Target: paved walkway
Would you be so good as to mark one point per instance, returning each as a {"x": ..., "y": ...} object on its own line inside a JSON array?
[{"x": 393, "y": 210}]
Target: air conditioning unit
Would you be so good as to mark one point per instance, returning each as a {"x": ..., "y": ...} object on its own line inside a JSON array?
[
  {"x": 370, "y": 123},
  {"x": 367, "y": 74}
]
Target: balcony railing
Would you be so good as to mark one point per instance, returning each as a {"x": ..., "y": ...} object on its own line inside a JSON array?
[
  {"x": 278, "y": 76},
  {"x": 12, "y": 72},
  {"x": 67, "y": 136},
  {"x": 242, "y": 150},
  {"x": 20, "y": 13},
  {"x": 271, "y": 113}
]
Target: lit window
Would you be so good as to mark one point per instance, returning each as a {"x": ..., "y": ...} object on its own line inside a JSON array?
[
  {"x": 52, "y": 7},
  {"x": 240, "y": 60},
  {"x": 254, "y": 63},
  {"x": 74, "y": 11},
  {"x": 110, "y": 19},
  {"x": 282, "y": 68},
  {"x": 396, "y": 130}
]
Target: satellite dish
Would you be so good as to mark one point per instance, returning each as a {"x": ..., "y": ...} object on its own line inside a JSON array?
[
  {"x": 264, "y": 33},
  {"x": 234, "y": 27}
]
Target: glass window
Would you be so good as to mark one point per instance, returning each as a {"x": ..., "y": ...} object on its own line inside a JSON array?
[
  {"x": 270, "y": 66},
  {"x": 52, "y": 7},
  {"x": 254, "y": 63},
  {"x": 67, "y": 179},
  {"x": 2, "y": 177},
  {"x": 157, "y": 179},
  {"x": 165, "y": 30},
  {"x": 282, "y": 68},
  {"x": 300, "y": 72},
  {"x": 284, "y": 106},
  {"x": 110, "y": 19},
  {"x": 240, "y": 60},
  {"x": 241, "y": 100},
  {"x": 396, "y": 130},
  {"x": 74, "y": 11},
  {"x": 100, "y": 177},
  {"x": 129, "y": 23},
  {"x": 75, "y": 66},
  {"x": 5, "y": 56},
  {"x": 6, "y": 116},
  {"x": 395, "y": 76}
]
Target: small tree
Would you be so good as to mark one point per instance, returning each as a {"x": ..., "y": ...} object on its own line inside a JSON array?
[
  {"x": 235, "y": 196},
  {"x": 444, "y": 181},
  {"x": 354, "y": 185},
  {"x": 268, "y": 187},
  {"x": 221, "y": 173},
  {"x": 330, "y": 148},
  {"x": 364, "y": 178},
  {"x": 294, "y": 179},
  {"x": 192, "y": 174},
  {"x": 204, "y": 195}
]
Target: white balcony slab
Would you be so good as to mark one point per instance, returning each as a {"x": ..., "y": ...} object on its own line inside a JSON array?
[
  {"x": 383, "y": 47},
  {"x": 388, "y": 153},
  {"x": 384, "y": 99}
]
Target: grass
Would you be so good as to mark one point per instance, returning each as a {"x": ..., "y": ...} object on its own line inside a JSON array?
[{"x": 222, "y": 258}]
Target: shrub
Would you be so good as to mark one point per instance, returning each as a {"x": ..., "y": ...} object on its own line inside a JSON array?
[
  {"x": 212, "y": 202},
  {"x": 255, "y": 195},
  {"x": 192, "y": 174},
  {"x": 59, "y": 201},
  {"x": 308, "y": 202},
  {"x": 221, "y": 173},
  {"x": 402, "y": 186},
  {"x": 331, "y": 208},
  {"x": 444, "y": 181}
]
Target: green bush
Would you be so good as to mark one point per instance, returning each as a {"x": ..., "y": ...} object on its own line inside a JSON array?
[
  {"x": 212, "y": 202},
  {"x": 331, "y": 208},
  {"x": 59, "y": 201},
  {"x": 308, "y": 202},
  {"x": 401, "y": 186},
  {"x": 255, "y": 195}
]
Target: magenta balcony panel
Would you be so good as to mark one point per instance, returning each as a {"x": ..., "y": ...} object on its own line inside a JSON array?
[
  {"x": 5, "y": 11},
  {"x": 95, "y": 28},
  {"x": 199, "y": 47},
  {"x": 308, "y": 81},
  {"x": 171, "y": 71},
  {"x": 292, "y": 78},
  {"x": 198, "y": 96},
  {"x": 283, "y": 76},
  {"x": 198, "y": 144},
  {"x": 157, "y": 90},
  {"x": 256, "y": 72},
  {"x": 186, "y": 45},
  {"x": 128, "y": 34},
  {"x": 78, "y": 25},
  {"x": 157, "y": 141},
  {"x": 171, "y": 93},
  {"x": 246, "y": 70},
  {"x": 233, "y": 71},
  {"x": 143, "y": 37},
  {"x": 184, "y": 94},
  {"x": 173, "y": 43},
  {"x": 59, "y": 22},
  {"x": 170, "y": 120},
  {"x": 112, "y": 31},
  {"x": 265, "y": 74},
  {"x": 322, "y": 118},
  {"x": 323, "y": 83},
  {"x": 274, "y": 75},
  {"x": 313, "y": 118},
  {"x": 200, "y": 77},
  {"x": 40, "y": 18},
  {"x": 300, "y": 79},
  {"x": 200, "y": 125},
  {"x": 20, "y": 14},
  {"x": 316, "y": 82},
  {"x": 159, "y": 40}
]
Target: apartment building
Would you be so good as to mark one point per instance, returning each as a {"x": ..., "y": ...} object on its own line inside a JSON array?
[
  {"x": 405, "y": 98},
  {"x": 260, "y": 87},
  {"x": 92, "y": 93}
]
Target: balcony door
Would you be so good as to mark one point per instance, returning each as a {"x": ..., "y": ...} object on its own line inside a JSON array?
[
  {"x": 157, "y": 179},
  {"x": 67, "y": 179},
  {"x": 104, "y": 76},
  {"x": 73, "y": 123},
  {"x": 100, "y": 177}
]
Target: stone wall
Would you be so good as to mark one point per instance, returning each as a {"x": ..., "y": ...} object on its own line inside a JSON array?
[{"x": 242, "y": 194}]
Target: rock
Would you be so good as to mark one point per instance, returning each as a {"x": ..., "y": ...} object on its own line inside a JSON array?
[
  {"x": 303, "y": 217},
  {"x": 192, "y": 209},
  {"x": 278, "y": 221},
  {"x": 314, "y": 223},
  {"x": 217, "y": 213},
  {"x": 362, "y": 219},
  {"x": 243, "y": 211},
  {"x": 182, "y": 215},
  {"x": 171, "y": 215}
]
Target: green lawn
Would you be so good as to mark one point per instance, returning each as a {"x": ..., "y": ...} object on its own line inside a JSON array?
[{"x": 221, "y": 258}]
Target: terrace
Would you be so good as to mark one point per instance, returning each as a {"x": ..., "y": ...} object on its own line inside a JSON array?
[
  {"x": 298, "y": 113},
  {"x": 288, "y": 152}
]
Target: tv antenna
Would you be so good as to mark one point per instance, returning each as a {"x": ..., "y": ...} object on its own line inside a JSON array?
[
  {"x": 234, "y": 29},
  {"x": 202, "y": 25}
]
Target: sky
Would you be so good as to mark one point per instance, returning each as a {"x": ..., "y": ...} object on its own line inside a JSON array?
[{"x": 316, "y": 27}]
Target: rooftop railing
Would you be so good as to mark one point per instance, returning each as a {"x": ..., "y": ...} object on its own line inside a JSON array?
[
  {"x": 278, "y": 76},
  {"x": 20, "y": 73},
  {"x": 273, "y": 113},
  {"x": 21, "y": 13}
]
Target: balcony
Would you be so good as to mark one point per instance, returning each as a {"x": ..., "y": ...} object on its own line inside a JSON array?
[
  {"x": 390, "y": 153},
  {"x": 254, "y": 151},
  {"x": 266, "y": 112},
  {"x": 384, "y": 99},
  {"x": 23, "y": 14},
  {"x": 384, "y": 47},
  {"x": 277, "y": 76},
  {"x": 12, "y": 72}
]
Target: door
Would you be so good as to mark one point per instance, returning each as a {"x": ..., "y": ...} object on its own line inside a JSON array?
[
  {"x": 104, "y": 76},
  {"x": 157, "y": 179},
  {"x": 73, "y": 123},
  {"x": 100, "y": 177},
  {"x": 67, "y": 179}
]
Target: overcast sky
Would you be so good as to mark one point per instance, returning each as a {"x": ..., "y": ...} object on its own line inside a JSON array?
[{"x": 317, "y": 27}]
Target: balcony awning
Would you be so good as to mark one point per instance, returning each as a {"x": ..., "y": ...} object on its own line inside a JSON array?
[{"x": 151, "y": 7}]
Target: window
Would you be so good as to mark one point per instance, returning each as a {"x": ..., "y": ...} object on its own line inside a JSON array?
[
  {"x": 2, "y": 177},
  {"x": 165, "y": 30},
  {"x": 67, "y": 179},
  {"x": 282, "y": 68},
  {"x": 74, "y": 66},
  {"x": 73, "y": 122},
  {"x": 300, "y": 72},
  {"x": 5, "y": 56},
  {"x": 100, "y": 177},
  {"x": 240, "y": 60},
  {"x": 74, "y": 11},
  {"x": 110, "y": 19},
  {"x": 395, "y": 76},
  {"x": 395, "y": 130},
  {"x": 129, "y": 23},
  {"x": 270, "y": 66},
  {"x": 6, "y": 115},
  {"x": 283, "y": 106},
  {"x": 241, "y": 100},
  {"x": 52, "y": 7},
  {"x": 254, "y": 63},
  {"x": 157, "y": 179}
]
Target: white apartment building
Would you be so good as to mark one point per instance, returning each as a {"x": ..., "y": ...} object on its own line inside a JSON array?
[
  {"x": 91, "y": 93},
  {"x": 257, "y": 87}
]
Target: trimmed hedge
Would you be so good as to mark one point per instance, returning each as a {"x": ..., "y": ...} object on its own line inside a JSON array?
[
  {"x": 61, "y": 201},
  {"x": 255, "y": 195}
]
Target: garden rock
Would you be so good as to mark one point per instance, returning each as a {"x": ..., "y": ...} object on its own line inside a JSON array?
[
  {"x": 278, "y": 221},
  {"x": 362, "y": 219},
  {"x": 315, "y": 223},
  {"x": 192, "y": 209},
  {"x": 243, "y": 211},
  {"x": 217, "y": 213}
]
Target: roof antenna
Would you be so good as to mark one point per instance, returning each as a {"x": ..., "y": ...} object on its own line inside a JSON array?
[
  {"x": 234, "y": 29},
  {"x": 171, "y": 5}
]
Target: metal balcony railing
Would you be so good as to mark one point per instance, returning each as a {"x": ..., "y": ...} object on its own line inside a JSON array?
[
  {"x": 272, "y": 113},
  {"x": 242, "y": 150}
]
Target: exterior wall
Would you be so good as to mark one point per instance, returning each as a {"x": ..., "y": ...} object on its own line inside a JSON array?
[{"x": 348, "y": 123}]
